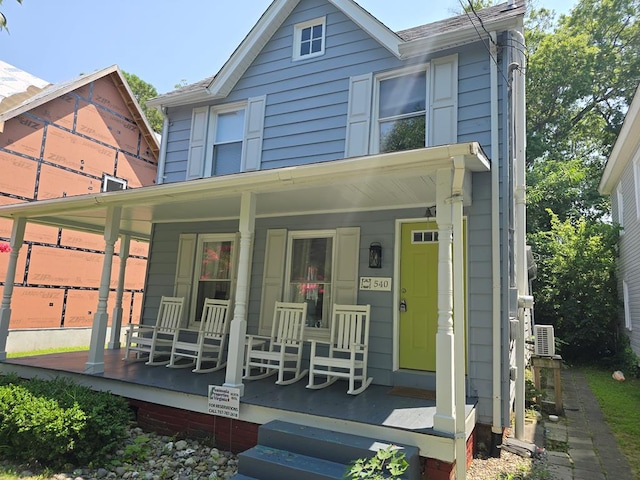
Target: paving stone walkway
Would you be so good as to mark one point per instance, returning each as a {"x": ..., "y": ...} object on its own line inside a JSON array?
[{"x": 580, "y": 446}]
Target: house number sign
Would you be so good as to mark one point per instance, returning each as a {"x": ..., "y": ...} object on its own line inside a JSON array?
[
  {"x": 379, "y": 284},
  {"x": 224, "y": 401}
]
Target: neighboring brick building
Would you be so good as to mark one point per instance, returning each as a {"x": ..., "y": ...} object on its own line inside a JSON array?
[{"x": 82, "y": 136}]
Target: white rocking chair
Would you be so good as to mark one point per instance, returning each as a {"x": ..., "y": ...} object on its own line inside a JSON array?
[
  {"x": 209, "y": 344},
  {"x": 284, "y": 351},
  {"x": 346, "y": 353},
  {"x": 148, "y": 341}
]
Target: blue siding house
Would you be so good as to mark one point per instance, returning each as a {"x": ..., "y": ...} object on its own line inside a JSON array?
[{"x": 325, "y": 140}]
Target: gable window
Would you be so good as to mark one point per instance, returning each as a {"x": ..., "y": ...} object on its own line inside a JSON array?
[
  {"x": 402, "y": 112},
  {"x": 309, "y": 274},
  {"x": 309, "y": 39},
  {"x": 227, "y": 136}
]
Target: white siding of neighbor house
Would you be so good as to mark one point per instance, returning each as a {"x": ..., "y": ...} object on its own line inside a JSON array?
[{"x": 629, "y": 260}]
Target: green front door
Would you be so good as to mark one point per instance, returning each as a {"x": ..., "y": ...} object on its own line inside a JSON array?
[{"x": 418, "y": 296}]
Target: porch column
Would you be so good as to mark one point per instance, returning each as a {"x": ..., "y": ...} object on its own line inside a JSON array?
[
  {"x": 95, "y": 363},
  {"x": 238, "y": 330},
  {"x": 17, "y": 237},
  {"x": 444, "y": 419},
  {"x": 116, "y": 322}
]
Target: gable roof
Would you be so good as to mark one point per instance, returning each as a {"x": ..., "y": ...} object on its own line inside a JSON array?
[
  {"x": 51, "y": 92},
  {"x": 16, "y": 86},
  {"x": 404, "y": 44},
  {"x": 626, "y": 147}
]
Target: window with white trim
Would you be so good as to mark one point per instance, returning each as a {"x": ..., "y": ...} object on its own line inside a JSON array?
[
  {"x": 308, "y": 276},
  {"x": 205, "y": 268},
  {"x": 309, "y": 38},
  {"x": 627, "y": 308},
  {"x": 113, "y": 184},
  {"x": 400, "y": 119},
  {"x": 620, "y": 206},
  {"x": 636, "y": 177},
  {"x": 226, "y": 137}
]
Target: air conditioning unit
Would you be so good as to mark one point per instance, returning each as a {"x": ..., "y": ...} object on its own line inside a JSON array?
[{"x": 545, "y": 345}]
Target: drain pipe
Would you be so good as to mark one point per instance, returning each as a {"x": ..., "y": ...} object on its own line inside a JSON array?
[
  {"x": 496, "y": 428},
  {"x": 516, "y": 74},
  {"x": 162, "y": 158}
]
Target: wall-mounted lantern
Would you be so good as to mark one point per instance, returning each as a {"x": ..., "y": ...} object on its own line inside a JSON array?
[{"x": 375, "y": 255}]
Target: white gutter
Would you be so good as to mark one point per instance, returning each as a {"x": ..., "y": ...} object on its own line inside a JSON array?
[
  {"x": 520, "y": 247},
  {"x": 495, "y": 243},
  {"x": 162, "y": 158}
]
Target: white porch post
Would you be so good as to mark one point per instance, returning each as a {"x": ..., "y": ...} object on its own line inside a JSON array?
[
  {"x": 95, "y": 363},
  {"x": 116, "y": 322},
  {"x": 17, "y": 236},
  {"x": 444, "y": 419},
  {"x": 238, "y": 330}
]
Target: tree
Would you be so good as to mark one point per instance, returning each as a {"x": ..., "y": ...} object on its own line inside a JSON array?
[
  {"x": 3, "y": 19},
  {"x": 581, "y": 76},
  {"x": 144, "y": 91},
  {"x": 576, "y": 286}
]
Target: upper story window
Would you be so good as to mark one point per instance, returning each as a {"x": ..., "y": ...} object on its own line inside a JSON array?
[
  {"x": 401, "y": 114},
  {"x": 309, "y": 39},
  {"x": 227, "y": 138}
]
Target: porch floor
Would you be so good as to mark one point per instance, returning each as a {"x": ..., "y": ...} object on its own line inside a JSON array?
[{"x": 375, "y": 406}]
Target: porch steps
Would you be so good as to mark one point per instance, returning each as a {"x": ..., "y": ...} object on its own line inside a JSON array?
[{"x": 291, "y": 451}]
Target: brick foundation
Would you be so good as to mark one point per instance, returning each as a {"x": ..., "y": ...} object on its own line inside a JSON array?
[{"x": 227, "y": 433}]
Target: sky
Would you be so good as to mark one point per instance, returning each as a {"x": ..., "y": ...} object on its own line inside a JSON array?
[{"x": 164, "y": 42}]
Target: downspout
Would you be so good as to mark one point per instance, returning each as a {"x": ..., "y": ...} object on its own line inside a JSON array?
[
  {"x": 496, "y": 428},
  {"x": 516, "y": 72},
  {"x": 163, "y": 146}
]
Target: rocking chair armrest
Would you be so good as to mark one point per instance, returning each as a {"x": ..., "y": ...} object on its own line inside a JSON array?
[
  {"x": 314, "y": 342},
  {"x": 262, "y": 339},
  {"x": 139, "y": 328}
]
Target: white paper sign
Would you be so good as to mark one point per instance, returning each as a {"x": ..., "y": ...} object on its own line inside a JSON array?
[
  {"x": 380, "y": 284},
  {"x": 224, "y": 401}
]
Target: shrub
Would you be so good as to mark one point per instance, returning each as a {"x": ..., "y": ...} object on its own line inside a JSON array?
[{"x": 58, "y": 421}]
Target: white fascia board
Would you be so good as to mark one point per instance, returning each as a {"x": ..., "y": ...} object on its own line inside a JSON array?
[
  {"x": 627, "y": 144},
  {"x": 370, "y": 24},
  {"x": 250, "y": 47},
  {"x": 179, "y": 99},
  {"x": 446, "y": 40}
]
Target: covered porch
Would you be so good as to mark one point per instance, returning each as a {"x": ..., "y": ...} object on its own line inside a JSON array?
[
  {"x": 436, "y": 176},
  {"x": 401, "y": 415}
]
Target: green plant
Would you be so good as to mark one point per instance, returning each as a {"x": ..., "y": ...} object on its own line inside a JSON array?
[
  {"x": 138, "y": 450},
  {"x": 388, "y": 462},
  {"x": 58, "y": 421}
]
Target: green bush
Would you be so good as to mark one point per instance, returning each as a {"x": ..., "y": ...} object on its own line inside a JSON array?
[
  {"x": 388, "y": 462},
  {"x": 58, "y": 421}
]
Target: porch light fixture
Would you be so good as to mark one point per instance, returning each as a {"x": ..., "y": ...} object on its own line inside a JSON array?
[
  {"x": 375, "y": 255},
  {"x": 430, "y": 212}
]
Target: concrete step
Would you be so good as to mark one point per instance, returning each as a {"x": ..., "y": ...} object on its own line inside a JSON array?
[
  {"x": 342, "y": 448},
  {"x": 267, "y": 463}
]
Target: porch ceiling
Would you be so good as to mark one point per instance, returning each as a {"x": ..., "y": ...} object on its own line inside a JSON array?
[{"x": 386, "y": 181}]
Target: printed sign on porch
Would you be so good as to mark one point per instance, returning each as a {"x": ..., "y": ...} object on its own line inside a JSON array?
[
  {"x": 224, "y": 401},
  {"x": 380, "y": 284}
]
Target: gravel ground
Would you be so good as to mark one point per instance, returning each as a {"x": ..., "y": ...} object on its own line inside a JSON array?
[{"x": 148, "y": 456}]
